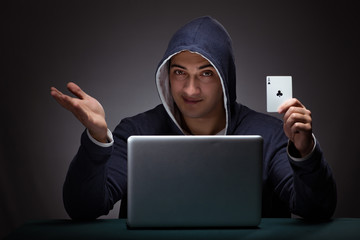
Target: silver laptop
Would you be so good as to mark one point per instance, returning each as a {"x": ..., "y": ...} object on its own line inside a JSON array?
[{"x": 194, "y": 181}]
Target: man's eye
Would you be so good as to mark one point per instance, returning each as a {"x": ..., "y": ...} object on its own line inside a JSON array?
[
  {"x": 207, "y": 74},
  {"x": 178, "y": 72}
]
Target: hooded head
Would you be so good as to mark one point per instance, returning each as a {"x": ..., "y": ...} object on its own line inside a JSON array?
[{"x": 208, "y": 38}]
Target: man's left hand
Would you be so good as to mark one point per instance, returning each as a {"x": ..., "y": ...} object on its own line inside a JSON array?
[{"x": 298, "y": 125}]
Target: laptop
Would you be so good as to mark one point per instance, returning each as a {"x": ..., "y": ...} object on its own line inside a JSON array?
[{"x": 194, "y": 181}]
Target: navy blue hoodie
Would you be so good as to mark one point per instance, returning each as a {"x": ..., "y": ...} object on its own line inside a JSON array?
[{"x": 97, "y": 177}]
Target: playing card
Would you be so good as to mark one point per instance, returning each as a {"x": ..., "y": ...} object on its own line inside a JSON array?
[{"x": 278, "y": 90}]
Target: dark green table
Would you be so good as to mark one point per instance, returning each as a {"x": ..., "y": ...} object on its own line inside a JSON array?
[{"x": 343, "y": 228}]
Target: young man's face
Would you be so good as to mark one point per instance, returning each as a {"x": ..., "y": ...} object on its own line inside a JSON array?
[{"x": 195, "y": 86}]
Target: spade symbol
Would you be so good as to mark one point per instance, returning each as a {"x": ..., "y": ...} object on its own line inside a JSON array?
[{"x": 279, "y": 93}]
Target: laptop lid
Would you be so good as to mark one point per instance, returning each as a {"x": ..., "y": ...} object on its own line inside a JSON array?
[{"x": 194, "y": 181}]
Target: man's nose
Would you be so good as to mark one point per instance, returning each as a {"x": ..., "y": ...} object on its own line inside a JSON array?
[{"x": 192, "y": 87}]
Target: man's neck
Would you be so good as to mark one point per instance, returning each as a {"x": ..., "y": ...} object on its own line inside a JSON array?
[{"x": 203, "y": 126}]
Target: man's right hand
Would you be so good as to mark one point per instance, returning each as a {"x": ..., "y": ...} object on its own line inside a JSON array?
[{"x": 85, "y": 108}]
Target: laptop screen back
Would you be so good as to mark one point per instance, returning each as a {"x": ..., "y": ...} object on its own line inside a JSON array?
[{"x": 194, "y": 181}]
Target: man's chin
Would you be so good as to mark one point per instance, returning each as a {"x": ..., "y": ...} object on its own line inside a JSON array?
[{"x": 192, "y": 114}]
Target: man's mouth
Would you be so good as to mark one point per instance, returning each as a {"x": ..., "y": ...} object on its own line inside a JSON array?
[{"x": 191, "y": 100}]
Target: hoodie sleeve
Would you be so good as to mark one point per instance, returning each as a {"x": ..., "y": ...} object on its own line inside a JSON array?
[
  {"x": 97, "y": 177},
  {"x": 307, "y": 186},
  {"x": 314, "y": 195},
  {"x": 83, "y": 187}
]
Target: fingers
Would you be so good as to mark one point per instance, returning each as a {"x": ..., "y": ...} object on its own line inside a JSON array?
[
  {"x": 298, "y": 122},
  {"x": 296, "y": 116},
  {"x": 57, "y": 95},
  {"x": 76, "y": 90},
  {"x": 293, "y": 102},
  {"x": 64, "y": 100}
]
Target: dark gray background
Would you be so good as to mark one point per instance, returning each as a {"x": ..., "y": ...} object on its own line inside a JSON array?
[{"x": 111, "y": 49}]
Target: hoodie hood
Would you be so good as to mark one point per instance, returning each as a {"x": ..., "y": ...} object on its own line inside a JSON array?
[{"x": 208, "y": 38}]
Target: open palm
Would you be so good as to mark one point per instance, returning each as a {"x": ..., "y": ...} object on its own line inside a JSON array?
[{"x": 85, "y": 108}]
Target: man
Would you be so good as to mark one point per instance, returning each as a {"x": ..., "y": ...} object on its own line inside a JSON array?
[{"x": 196, "y": 83}]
